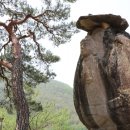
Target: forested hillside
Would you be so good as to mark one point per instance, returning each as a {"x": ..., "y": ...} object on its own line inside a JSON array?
[
  {"x": 60, "y": 94},
  {"x": 57, "y": 92},
  {"x": 57, "y": 100}
]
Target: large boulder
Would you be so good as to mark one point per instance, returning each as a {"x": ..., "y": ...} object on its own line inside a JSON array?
[{"x": 102, "y": 77}]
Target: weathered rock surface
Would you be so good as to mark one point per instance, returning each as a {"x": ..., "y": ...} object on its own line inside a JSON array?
[
  {"x": 102, "y": 77},
  {"x": 90, "y": 22}
]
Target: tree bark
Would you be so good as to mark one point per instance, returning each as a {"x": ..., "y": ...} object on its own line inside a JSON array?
[{"x": 20, "y": 102}]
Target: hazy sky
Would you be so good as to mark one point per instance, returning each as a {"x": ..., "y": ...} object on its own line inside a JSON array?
[{"x": 69, "y": 52}]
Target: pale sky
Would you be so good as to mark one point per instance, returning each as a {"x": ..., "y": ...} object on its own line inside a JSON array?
[{"x": 69, "y": 52}]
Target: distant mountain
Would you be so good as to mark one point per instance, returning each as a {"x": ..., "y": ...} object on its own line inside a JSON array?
[
  {"x": 55, "y": 91},
  {"x": 59, "y": 93}
]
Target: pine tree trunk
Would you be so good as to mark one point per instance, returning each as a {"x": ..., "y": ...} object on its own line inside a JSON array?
[{"x": 20, "y": 102}]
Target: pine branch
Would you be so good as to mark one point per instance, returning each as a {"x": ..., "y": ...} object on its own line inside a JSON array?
[
  {"x": 35, "y": 18},
  {"x": 3, "y": 25},
  {"x": 5, "y": 44},
  {"x": 14, "y": 12},
  {"x": 43, "y": 14},
  {"x": 24, "y": 36},
  {"x": 3, "y": 76},
  {"x": 37, "y": 44},
  {"x": 6, "y": 64}
]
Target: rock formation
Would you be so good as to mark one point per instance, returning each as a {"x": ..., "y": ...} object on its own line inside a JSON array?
[{"x": 102, "y": 77}]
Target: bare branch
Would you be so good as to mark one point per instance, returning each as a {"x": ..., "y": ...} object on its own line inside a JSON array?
[
  {"x": 6, "y": 64},
  {"x": 24, "y": 36},
  {"x": 3, "y": 25},
  {"x": 5, "y": 44}
]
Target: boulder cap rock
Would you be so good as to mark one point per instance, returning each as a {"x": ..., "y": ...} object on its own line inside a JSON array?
[{"x": 90, "y": 22}]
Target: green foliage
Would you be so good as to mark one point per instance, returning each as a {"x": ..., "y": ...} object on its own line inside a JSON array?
[
  {"x": 6, "y": 103},
  {"x": 50, "y": 118},
  {"x": 34, "y": 106},
  {"x": 9, "y": 120}
]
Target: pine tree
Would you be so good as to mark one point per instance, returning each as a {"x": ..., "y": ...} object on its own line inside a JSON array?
[{"x": 23, "y": 58}]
